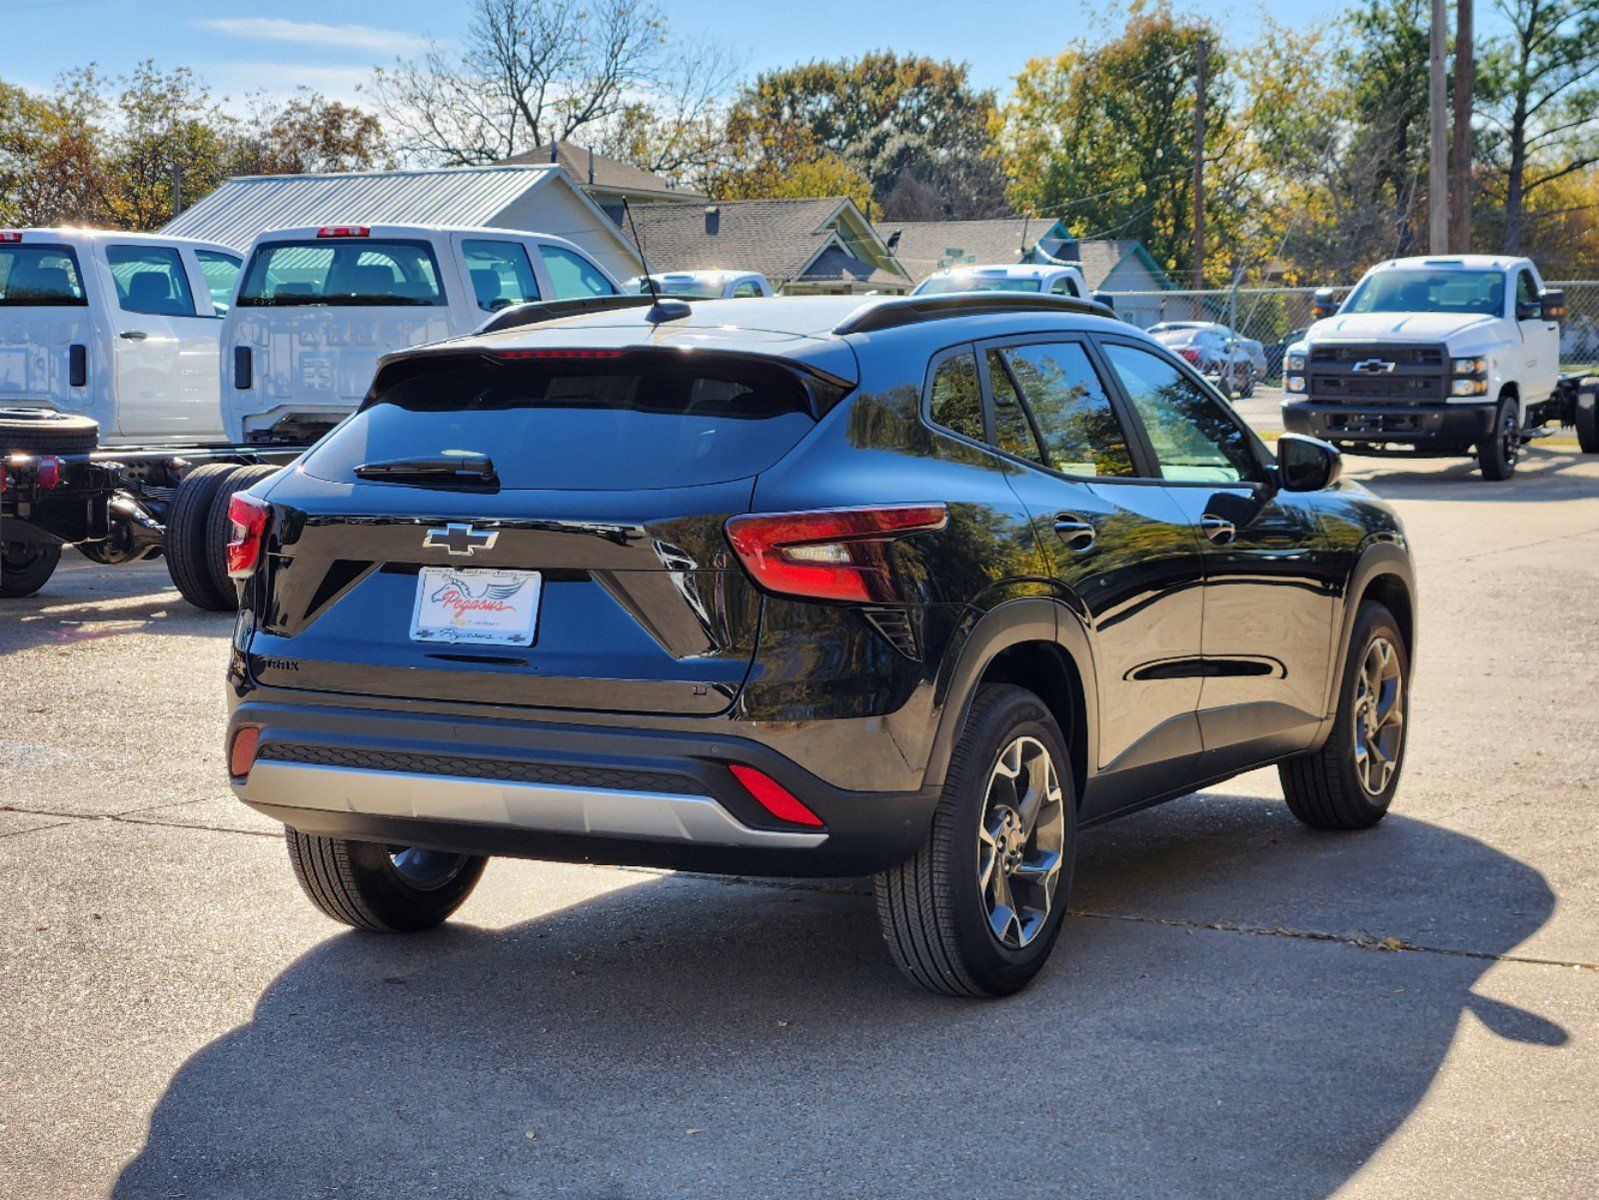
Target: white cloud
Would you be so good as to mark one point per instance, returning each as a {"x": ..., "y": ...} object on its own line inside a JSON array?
[{"x": 312, "y": 33}]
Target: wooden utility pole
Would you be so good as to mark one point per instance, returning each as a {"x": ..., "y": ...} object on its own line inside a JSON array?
[
  {"x": 1438, "y": 172},
  {"x": 1460, "y": 162},
  {"x": 1202, "y": 68}
]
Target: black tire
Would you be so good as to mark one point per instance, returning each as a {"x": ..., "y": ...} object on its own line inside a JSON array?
[
  {"x": 1247, "y": 388},
  {"x": 359, "y": 884},
  {"x": 25, "y": 567},
  {"x": 1497, "y": 453},
  {"x": 1587, "y": 423},
  {"x": 219, "y": 530},
  {"x": 933, "y": 913},
  {"x": 1325, "y": 789},
  {"x": 45, "y": 431},
  {"x": 185, "y": 541}
]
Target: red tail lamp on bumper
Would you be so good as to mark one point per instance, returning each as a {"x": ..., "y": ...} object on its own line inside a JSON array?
[
  {"x": 837, "y": 554},
  {"x": 774, "y": 797},
  {"x": 241, "y": 753}
]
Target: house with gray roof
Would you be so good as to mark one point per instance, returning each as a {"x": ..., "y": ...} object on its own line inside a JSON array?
[
  {"x": 608, "y": 181},
  {"x": 804, "y": 247},
  {"x": 532, "y": 197}
]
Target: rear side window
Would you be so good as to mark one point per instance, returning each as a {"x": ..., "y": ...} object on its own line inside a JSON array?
[
  {"x": 357, "y": 273},
  {"x": 645, "y": 420},
  {"x": 150, "y": 279},
  {"x": 1012, "y": 433},
  {"x": 40, "y": 277},
  {"x": 500, "y": 272},
  {"x": 957, "y": 398},
  {"x": 221, "y": 272},
  {"x": 573, "y": 276},
  {"x": 1081, "y": 433}
]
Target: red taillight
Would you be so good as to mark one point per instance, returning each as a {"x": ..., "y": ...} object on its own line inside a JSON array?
[
  {"x": 522, "y": 354},
  {"x": 1190, "y": 354},
  {"x": 773, "y": 796},
  {"x": 47, "y": 473},
  {"x": 10, "y": 237},
  {"x": 338, "y": 231},
  {"x": 833, "y": 555},
  {"x": 241, "y": 755},
  {"x": 249, "y": 517}
]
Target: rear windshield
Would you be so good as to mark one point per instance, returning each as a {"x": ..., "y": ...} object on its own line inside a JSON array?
[
  {"x": 685, "y": 286},
  {"x": 642, "y": 421},
  {"x": 40, "y": 276},
  {"x": 357, "y": 272},
  {"x": 941, "y": 285}
]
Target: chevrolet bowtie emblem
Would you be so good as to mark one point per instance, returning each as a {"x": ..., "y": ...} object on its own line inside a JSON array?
[
  {"x": 1374, "y": 366},
  {"x": 461, "y": 540}
]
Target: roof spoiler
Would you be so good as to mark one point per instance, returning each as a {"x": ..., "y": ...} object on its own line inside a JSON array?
[
  {"x": 536, "y": 311},
  {"x": 911, "y": 310}
]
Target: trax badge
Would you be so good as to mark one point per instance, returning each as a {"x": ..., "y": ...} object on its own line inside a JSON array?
[{"x": 459, "y": 539}]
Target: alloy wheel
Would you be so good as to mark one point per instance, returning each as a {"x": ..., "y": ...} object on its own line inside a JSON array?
[
  {"x": 1021, "y": 838},
  {"x": 1379, "y": 716}
]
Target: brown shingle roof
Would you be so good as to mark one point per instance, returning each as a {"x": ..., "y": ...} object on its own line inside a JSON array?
[
  {"x": 609, "y": 172},
  {"x": 923, "y": 246}
]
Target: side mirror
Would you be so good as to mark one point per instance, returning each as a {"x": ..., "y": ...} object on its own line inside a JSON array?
[
  {"x": 1106, "y": 299},
  {"x": 1307, "y": 464},
  {"x": 1529, "y": 311},
  {"x": 1553, "y": 303},
  {"x": 1324, "y": 303}
]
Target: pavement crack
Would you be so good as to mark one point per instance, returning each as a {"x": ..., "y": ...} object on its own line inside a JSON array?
[{"x": 129, "y": 817}]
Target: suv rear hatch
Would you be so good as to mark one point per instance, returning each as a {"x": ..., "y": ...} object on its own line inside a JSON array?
[
  {"x": 536, "y": 528},
  {"x": 44, "y": 324}
]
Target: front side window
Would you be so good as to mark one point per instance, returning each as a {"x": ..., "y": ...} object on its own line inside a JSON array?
[
  {"x": 221, "y": 272},
  {"x": 957, "y": 399},
  {"x": 1526, "y": 289},
  {"x": 572, "y": 276},
  {"x": 1065, "y": 286},
  {"x": 356, "y": 273},
  {"x": 1082, "y": 435},
  {"x": 40, "y": 277},
  {"x": 1194, "y": 439},
  {"x": 150, "y": 279},
  {"x": 746, "y": 290},
  {"x": 500, "y": 272}
]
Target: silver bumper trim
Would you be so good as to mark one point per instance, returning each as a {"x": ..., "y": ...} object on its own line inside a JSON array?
[{"x": 602, "y": 812}]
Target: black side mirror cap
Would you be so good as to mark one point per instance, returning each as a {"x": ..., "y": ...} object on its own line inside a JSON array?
[
  {"x": 1552, "y": 302},
  {"x": 1105, "y": 298},
  {"x": 1307, "y": 464}
]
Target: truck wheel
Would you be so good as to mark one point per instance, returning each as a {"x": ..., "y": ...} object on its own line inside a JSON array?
[
  {"x": 388, "y": 889},
  {"x": 1350, "y": 782},
  {"x": 25, "y": 567},
  {"x": 219, "y": 530},
  {"x": 45, "y": 431},
  {"x": 976, "y": 911},
  {"x": 185, "y": 544},
  {"x": 1587, "y": 422},
  {"x": 1497, "y": 453}
]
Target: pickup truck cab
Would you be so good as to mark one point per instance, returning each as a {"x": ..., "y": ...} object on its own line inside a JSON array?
[
  {"x": 702, "y": 285},
  {"x": 318, "y": 306},
  {"x": 123, "y": 328},
  {"x": 1435, "y": 356},
  {"x": 1048, "y": 279}
]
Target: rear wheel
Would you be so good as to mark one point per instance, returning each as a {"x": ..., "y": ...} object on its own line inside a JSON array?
[
  {"x": 1587, "y": 422},
  {"x": 25, "y": 567},
  {"x": 187, "y": 524},
  {"x": 1497, "y": 453},
  {"x": 389, "y": 889},
  {"x": 1350, "y": 781},
  {"x": 977, "y": 910},
  {"x": 219, "y": 529}
]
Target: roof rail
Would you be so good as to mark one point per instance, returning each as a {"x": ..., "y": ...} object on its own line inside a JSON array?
[
  {"x": 910, "y": 310},
  {"x": 535, "y": 311}
]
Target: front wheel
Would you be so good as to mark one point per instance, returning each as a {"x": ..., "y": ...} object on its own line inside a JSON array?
[
  {"x": 1497, "y": 453},
  {"x": 389, "y": 889},
  {"x": 977, "y": 910},
  {"x": 25, "y": 567}
]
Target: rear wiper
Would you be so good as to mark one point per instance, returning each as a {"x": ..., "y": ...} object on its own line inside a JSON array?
[{"x": 442, "y": 468}]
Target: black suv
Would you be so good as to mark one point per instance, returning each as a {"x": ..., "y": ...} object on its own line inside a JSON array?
[{"x": 802, "y": 587}]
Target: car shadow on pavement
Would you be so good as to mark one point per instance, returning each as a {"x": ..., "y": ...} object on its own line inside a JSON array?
[
  {"x": 86, "y": 601},
  {"x": 684, "y": 1036},
  {"x": 1543, "y": 474}
]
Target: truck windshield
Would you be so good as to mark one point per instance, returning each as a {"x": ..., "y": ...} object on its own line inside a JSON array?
[
  {"x": 945, "y": 284},
  {"x": 1420, "y": 290},
  {"x": 40, "y": 276},
  {"x": 356, "y": 273}
]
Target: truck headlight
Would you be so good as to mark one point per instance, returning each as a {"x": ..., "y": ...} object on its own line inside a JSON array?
[
  {"x": 1468, "y": 387},
  {"x": 1294, "y": 360},
  {"x": 1470, "y": 366},
  {"x": 1294, "y": 383}
]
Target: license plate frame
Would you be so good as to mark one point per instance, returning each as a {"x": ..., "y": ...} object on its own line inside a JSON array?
[{"x": 476, "y": 606}]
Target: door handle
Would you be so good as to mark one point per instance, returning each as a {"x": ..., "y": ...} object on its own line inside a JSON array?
[
  {"x": 133, "y": 335},
  {"x": 1218, "y": 529},
  {"x": 1077, "y": 533}
]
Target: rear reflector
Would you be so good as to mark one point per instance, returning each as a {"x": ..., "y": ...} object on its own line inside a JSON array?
[
  {"x": 249, "y": 517},
  {"x": 773, "y": 796},
  {"x": 525, "y": 354},
  {"x": 47, "y": 473},
  {"x": 338, "y": 231},
  {"x": 839, "y": 554},
  {"x": 241, "y": 755}
]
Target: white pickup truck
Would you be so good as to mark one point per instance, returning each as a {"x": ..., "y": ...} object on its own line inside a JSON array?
[{"x": 1447, "y": 355}]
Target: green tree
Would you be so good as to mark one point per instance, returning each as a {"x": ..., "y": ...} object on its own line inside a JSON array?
[{"x": 308, "y": 133}]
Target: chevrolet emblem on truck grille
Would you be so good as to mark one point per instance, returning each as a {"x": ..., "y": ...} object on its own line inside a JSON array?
[
  {"x": 1373, "y": 366},
  {"x": 459, "y": 540}
]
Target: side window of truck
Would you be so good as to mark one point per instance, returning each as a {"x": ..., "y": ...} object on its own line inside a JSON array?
[
  {"x": 221, "y": 272},
  {"x": 500, "y": 272},
  {"x": 572, "y": 276},
  {"x": 150, "y": 279},
  {"x": 1526, "y": 290},
  {"x": 1065, "y": 286}
]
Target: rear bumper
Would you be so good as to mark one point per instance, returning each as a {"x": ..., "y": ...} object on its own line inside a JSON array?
[
  {"x": 563, "y": 792},
  {"x": 1439, "y": 428}
]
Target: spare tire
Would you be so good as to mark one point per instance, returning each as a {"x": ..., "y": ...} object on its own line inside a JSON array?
[
  {"x": 219, "y": 530},
  {"x": 187, "y": 517},
  {"x": 46, "y": 431}
]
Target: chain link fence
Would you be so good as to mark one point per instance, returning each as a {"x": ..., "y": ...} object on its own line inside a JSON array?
[{"x": 1275, "y": 316}]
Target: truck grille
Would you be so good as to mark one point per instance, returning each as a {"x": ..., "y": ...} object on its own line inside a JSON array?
[{"x": 1376, "y": 373}]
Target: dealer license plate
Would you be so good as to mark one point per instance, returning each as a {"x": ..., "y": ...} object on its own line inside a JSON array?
[{"x": 476, "y": 607}]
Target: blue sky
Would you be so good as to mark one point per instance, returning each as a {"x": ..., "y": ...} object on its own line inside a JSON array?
[{"x": 242, "y": 48}]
